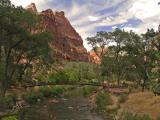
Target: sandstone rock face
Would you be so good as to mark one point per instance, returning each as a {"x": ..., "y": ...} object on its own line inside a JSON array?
[
  {"x": 93, "y": 58},
  {"x": 32, "y": 7},
  {"x": 67, "y": 43}
]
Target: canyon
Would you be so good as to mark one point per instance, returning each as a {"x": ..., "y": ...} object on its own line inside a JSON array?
[{"x": 67, "y": 44}]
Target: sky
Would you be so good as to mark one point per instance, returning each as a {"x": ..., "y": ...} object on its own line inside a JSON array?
[{"x": 91, "y": 16}]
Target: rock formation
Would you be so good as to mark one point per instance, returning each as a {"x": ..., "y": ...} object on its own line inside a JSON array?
[
  {"x": 93, "y": 58},
  {"x": 67, "y": 43},
  {"x": 32, "y": 7}
]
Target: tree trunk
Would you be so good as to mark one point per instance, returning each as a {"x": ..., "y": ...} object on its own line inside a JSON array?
[
  {"x": 144, "y": 82},
  {"x": 118, "y": 81},
  {"x": 2, "y": 92},
  {"x": 143, "y": 85}
]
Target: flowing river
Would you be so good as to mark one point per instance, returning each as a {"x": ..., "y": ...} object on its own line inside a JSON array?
[{"x": 74, "y": 109}]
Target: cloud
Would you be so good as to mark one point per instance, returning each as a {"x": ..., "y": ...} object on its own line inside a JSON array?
[
  {"x": 41, "y": 4},
  {"x": 93, "y": 18},
  {"x": 90, "y": 16},
  {"x": 146, "y": 11}
]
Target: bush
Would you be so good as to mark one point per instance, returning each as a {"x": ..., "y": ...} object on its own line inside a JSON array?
[
  {"x": 51, "y": 91},
  {"x": 32, "y": 97},
  {"x": 88, "y": 90},
  {"x": 10, "y": 118},
  {"x": 122, "y": 98},
  {"x": 46, "y": 91},
  {"x": 40, "y": 78},
  {"x": 60, "y": 77},
  {"x": 102, "y": 100},
  {"x": 7, "y": 102},
  {"x": 57, "y": 91},
  {"x": 155, "y": 87},
  {"x": 132, "y": 116}
]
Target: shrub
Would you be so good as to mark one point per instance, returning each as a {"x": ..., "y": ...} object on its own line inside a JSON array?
[
  {"x": 60, "y": 77},
  {"x": 88, "y": 90},
  {"x": 57, "y": 91},
  {"x": 51, "y": 91},
  {"x": 10, "y": 118},
  {"x": 46, "y": 91},
  {"x": 32, "y": 97},
  {"x": 122, "y": 98},
  {"x": 40, "y": 78},
  {"x": 155, "y": 87},
  {"x": 132, "y": 116},
  {"x": 102, "y": 100},
  {"x": 7, "y": 102}
]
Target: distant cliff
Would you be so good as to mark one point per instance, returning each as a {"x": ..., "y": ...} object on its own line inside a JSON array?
[
  {"x": 67, "y": 43},
  {"x": 93, "y": 58}
]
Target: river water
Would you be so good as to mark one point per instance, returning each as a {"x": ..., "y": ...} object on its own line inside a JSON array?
[{"x": 73, "y": 109}]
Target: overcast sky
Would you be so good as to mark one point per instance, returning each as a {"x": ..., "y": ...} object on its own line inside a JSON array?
[{"x": 90, "y": 16}]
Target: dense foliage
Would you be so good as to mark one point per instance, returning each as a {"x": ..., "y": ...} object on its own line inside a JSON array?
[
  {"x": 75, "y": 72},
  {"x": 37, "y": 96},
  {"x": 129, "y": 56},
  {"x": 20, "y": 49}
]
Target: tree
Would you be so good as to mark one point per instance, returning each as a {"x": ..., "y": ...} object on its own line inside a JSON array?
[
  {"x": 155, "y": 61},
  {"x": 140, "y": 53},
  {"x": 99, "y": 43},
  {"x": 114, "y": 62},
  {"x": 119, "y": 37},
  {"x": 19, "y": 47}
]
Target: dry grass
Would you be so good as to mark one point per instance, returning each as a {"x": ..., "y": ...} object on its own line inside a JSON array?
[
  {"x": 145, "y": 103},
  {"x": 114, "y": 102}
]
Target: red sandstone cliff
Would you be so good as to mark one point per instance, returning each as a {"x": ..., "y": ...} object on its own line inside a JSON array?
[
  {"x": 93, "y": 58},
  {"x": 67, "y": 43}
]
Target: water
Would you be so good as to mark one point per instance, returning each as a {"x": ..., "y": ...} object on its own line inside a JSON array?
[{"x": 73, "y": 109}]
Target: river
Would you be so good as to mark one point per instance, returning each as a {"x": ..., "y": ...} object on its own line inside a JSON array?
[{"x": 73, "y": 109}]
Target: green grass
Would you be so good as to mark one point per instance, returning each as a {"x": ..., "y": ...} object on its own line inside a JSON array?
[{"x": 10, "y": 118}]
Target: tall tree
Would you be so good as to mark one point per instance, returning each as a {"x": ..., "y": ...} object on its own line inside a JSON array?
[
  {"x": 119, "y": 37},
  {"x": 19, "y": 48},
  {"x": 140, "y": 53},
  {"x": 99, "y": 43}
]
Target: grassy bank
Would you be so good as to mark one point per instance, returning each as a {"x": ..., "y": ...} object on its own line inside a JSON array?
[{"x": 144, "y": 103}]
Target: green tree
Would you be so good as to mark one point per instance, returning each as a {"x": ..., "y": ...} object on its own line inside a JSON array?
[
  {"x": 155, "y": 61},
  {"x": 99, "y": 43},
  {"x": 114, "y": 62},
  {"x": 20, "y": 48},
  {"x": 140, "y": 52}
]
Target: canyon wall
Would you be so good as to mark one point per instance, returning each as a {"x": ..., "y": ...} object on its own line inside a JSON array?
[{"x": 67, "y": 43}]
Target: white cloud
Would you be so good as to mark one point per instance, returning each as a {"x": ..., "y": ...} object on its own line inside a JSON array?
[
  {"x": 119, "y": 19},
  {"x": 114, "y": 27},
  {"x": 147, "y": 11},
  {"x": 86, "y": 18},
  {"x": 93, "y": 18},
  {"x": 131, "y": 28},
  {"x": 144, "y": 9},
  {"x": 41, "y": 4}
]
